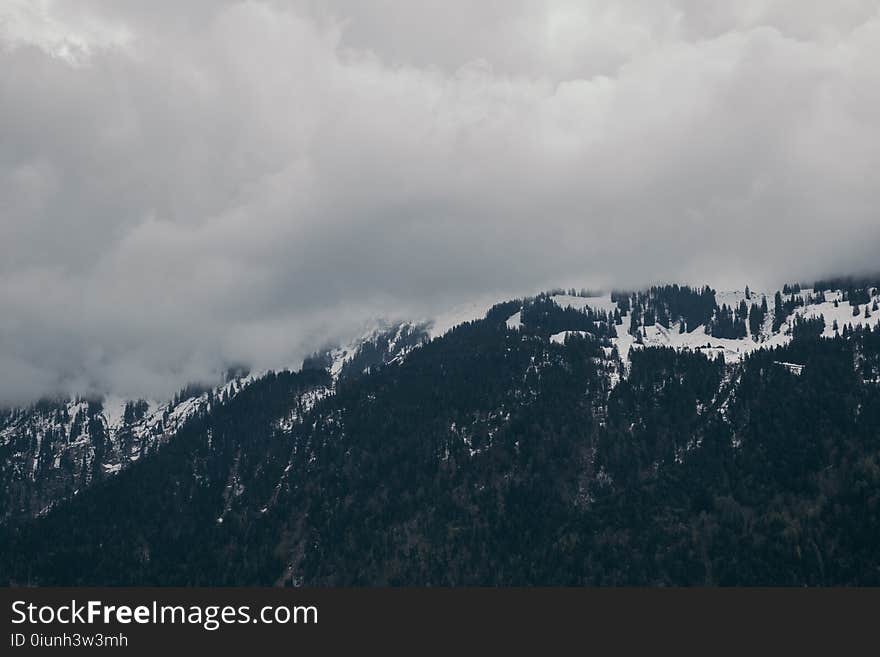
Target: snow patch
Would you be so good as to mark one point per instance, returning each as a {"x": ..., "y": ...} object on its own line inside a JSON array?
[
  {"x": 560, "y": 337},
  {"x": 466, "y": 312}
]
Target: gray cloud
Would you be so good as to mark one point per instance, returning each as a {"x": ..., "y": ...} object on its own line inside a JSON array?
[{"x": 184, "y": 185}]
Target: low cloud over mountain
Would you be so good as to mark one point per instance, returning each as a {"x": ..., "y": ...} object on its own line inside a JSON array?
[{"x": 185, "y": 186}]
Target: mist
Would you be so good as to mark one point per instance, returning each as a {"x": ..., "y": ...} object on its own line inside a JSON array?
[{"x": 188, "y": 185}]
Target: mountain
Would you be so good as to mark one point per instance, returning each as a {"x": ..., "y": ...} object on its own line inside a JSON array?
[
  {"x": 672, "y": 435},
  {"x": 55, "y": 448}
]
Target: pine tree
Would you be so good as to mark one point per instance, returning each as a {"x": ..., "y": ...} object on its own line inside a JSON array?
[
  {"x": 634, "y": 324},
  {"x": 756, "y": 319},
  {"x": 778, "y": 317}
]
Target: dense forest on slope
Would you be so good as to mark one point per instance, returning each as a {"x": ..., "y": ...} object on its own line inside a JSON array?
[{"x": 495, "y": 456}]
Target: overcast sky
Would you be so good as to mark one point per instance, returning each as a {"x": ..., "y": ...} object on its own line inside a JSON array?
[{"x": 189, "y": 184}]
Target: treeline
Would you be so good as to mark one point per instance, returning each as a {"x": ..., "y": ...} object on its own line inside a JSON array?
[
  {"x": 666, "y": 305},
  {"x": 543, "y": 316},
  {"x": 496, "y": 457}
]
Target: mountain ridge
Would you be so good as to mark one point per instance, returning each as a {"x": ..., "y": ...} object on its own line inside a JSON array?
[
  {"x": 127, "y": 429},
  {"x": 532, "y": 408}
]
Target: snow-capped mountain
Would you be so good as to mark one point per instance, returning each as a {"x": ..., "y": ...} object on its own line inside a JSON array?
[
  {"x": 55, "y": 448},
  {"x": 831, "y": 305},
  {"x": 669, "y": 435}
]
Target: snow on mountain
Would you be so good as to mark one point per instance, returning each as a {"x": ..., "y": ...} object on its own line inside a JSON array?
[
  {"x": 560, "y": 337},
  {"x": 51, "y": 449},
  {"x": 465, "y": 312},
  {"x": 842, "y": 314},
  {"x": 54, "y": 448},
  {"x": 380, "y": 344},
  {"x": 834, "y": 309},
  {"x": 598, "y": 302}
]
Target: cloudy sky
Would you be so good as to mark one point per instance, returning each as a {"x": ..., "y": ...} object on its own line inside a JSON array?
[{"x": 188, "y": 184}]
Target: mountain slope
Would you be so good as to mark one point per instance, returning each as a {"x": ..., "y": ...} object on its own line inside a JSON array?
[
  {"x": 525, "y": 448},
  {"x": 56, "y": 448}
]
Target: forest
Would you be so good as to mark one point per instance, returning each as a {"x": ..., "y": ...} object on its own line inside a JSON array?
[{"x": 494, "y": 456}]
